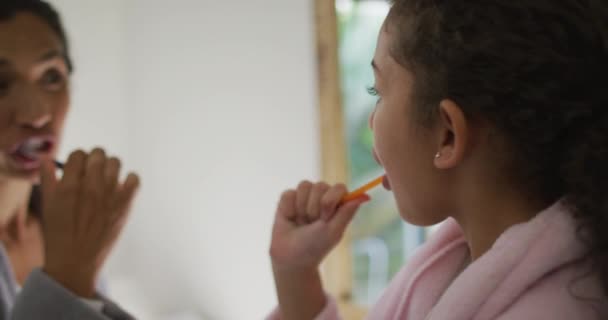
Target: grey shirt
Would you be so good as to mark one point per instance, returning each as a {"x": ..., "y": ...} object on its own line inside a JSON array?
[{"x": 42, "y": 298}]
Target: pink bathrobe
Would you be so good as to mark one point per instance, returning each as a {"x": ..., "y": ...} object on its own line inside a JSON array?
[{"x": 533, "y": 271}]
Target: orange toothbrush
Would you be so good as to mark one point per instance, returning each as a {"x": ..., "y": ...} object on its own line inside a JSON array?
[{"x": 362, "y": 190}]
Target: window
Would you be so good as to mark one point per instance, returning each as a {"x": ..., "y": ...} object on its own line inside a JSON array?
[{"x": 378, "y": 243}]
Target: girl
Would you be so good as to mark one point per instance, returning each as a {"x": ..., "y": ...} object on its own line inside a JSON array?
[{"x": 493, "y": 117}]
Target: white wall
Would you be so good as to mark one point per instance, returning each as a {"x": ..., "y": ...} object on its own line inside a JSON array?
[
  {"x": 213, "y": 103},
  {"x": 99, "y": 105}
]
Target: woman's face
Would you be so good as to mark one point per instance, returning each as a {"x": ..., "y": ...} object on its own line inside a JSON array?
[
  {"x": 34, "y": 95},
  {"x": 403, "y": 147}
]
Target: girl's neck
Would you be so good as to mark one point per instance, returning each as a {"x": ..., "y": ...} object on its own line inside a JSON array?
[{"x": 485, "y": 217}]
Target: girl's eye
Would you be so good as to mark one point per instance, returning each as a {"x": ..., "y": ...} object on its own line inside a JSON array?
[{"x": 372, "y": 91}]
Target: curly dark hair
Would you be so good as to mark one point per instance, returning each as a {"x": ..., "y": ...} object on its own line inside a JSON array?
[
  {"x": 43, "y": 10},
  {"x": 536, "y": 70}
]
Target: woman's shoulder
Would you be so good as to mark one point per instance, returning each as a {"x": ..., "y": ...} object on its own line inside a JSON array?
[
  {"x": 8, "y": 284},
  {"x": 571, "y": 292},
  {"x": 437, "y": 261}
]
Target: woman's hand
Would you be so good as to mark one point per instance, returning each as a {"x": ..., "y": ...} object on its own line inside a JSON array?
[
  {"x": 83, "y": 215},
  {"x": 309, "y": 223}
]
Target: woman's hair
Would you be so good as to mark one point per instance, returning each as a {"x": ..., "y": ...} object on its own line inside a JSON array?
[
  {"x": 35, "y": 203},
  {"x": 43, "y": 10},
  {"x": 537, "y": 72}
]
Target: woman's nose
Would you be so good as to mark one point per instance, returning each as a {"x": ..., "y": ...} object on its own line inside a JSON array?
[
  {"x": 371, "y": 119},
  {"x": 32, "y": 111}
]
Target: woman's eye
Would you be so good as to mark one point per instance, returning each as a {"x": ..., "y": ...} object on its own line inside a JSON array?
[
  {"x": 53, "y": 79},
  {"x": 372, "y": 91}
]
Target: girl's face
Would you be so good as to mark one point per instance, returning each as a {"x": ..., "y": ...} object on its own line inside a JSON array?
[
  {"x": 404, "y": 147},
  {"x": 34, "y": 95}
]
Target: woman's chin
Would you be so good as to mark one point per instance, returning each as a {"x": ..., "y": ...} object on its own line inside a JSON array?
[
  {"x": 418, "y": 217},
  {"x": 31, "y": 176}
]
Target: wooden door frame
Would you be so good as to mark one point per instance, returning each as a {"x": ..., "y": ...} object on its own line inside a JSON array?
[{"x": 337, "y": 268}]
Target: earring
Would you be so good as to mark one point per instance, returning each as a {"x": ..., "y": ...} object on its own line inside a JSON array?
[{"x": 438, "y": 155}]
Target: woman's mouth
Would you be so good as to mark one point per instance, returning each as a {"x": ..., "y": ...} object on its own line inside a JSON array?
[
  {"x": 386, "y": 183},
  {"x": 29, "y": 154}
]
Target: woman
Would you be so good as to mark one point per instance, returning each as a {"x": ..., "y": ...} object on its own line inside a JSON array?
[
  {"x": 493, "y": 115},
  {"x": 55, "y": 262}
]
